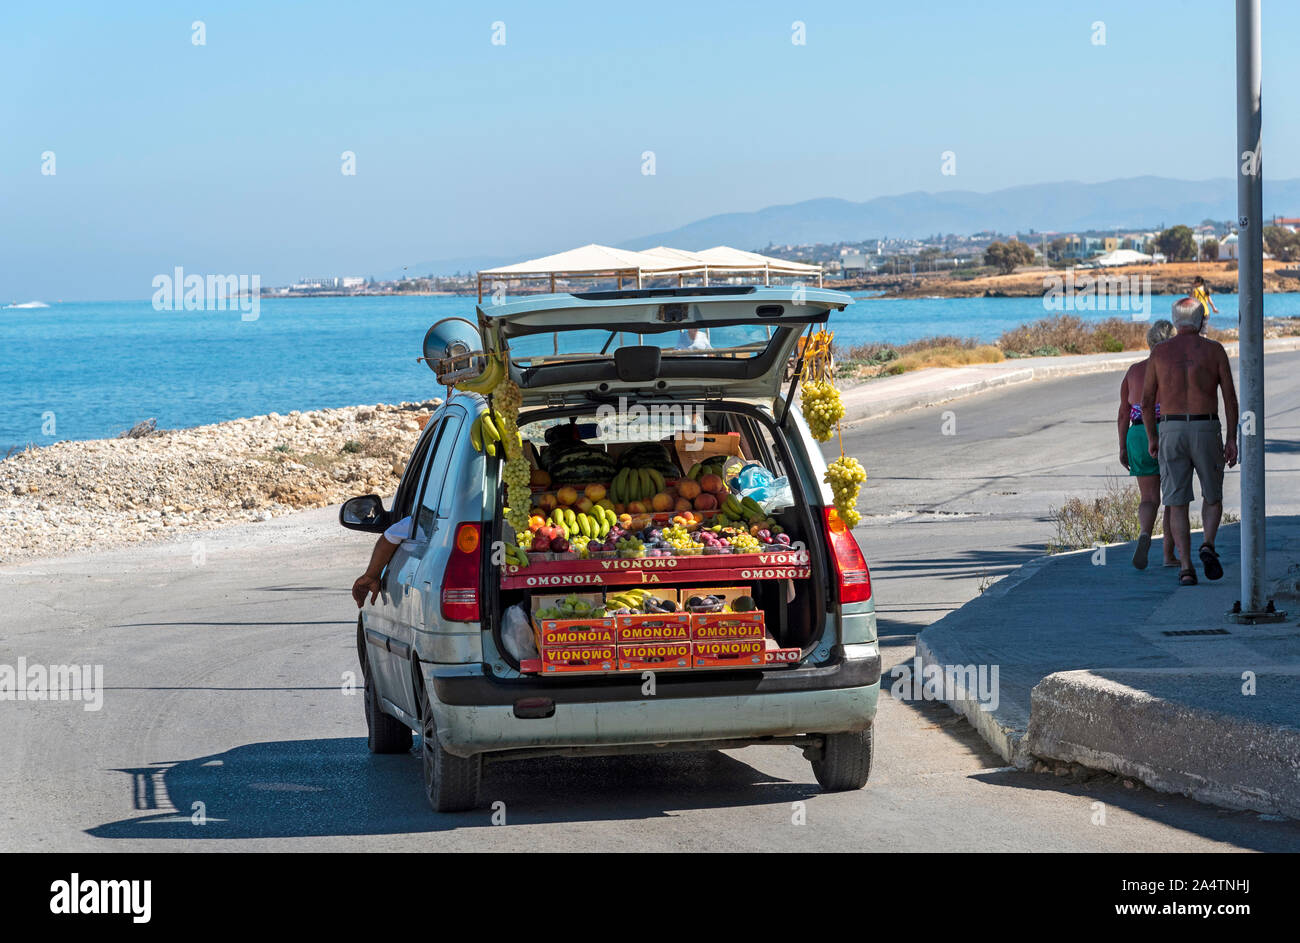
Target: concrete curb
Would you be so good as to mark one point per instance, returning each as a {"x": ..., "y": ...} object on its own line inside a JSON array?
[
  {"x": 877, "y": 406},
  {"x": 1003, "y": 729},
  {"x": 1096, "y": 719},
  {"x": 1183, "y": 729}
]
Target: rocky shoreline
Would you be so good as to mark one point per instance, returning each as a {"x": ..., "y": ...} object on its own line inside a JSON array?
[
  {"x": 1166, "y": 278},
  {"x": 107, "y": 492}
]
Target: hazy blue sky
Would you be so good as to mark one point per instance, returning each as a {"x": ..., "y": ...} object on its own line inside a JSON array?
[{"x": 225, "y": 158}]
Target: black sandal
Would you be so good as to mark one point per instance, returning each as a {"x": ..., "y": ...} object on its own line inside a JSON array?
[
  {"x": 1210, "y": 562},
  {"x": 1187, "y": 578}
]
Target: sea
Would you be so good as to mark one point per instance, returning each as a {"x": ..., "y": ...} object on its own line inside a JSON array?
[{"x": 86, "y": 370}]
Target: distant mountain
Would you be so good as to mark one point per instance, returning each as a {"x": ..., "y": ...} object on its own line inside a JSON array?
[{"x": 1134, "y": 203}]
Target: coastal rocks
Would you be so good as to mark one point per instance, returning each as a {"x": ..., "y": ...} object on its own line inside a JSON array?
[{"x": 78, "y": 495}]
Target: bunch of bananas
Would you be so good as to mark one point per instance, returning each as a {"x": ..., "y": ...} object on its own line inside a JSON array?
[
  {"x": 710, "y": 466},
  {"x": 636, "y": 484},
  {"x": 845, "y": 475},
  {"x": 487, "y": 431},
  {"x": 515, "y": 556},
  {"x": 632, "y": 599},
  {"x": 590, "y": 525},
  {"x": 496, "y": 370}
]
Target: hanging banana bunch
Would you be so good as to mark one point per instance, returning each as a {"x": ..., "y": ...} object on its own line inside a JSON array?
[{"x": 495, "y": 370}]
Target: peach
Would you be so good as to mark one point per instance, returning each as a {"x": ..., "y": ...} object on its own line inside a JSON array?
[
  {"x": 548, "y": 502},
  {"x": 637, "y": 507},
  {"x": 682, "y": 505},
  {"x": 688, "y": 489},
  {"x": 567, "y": 495},
  {"x": 706, "y": 502},
  {"x": 595, "y": 493},
  {"x": 712, "y": 484},
  {"x": 662, "y": 502}
]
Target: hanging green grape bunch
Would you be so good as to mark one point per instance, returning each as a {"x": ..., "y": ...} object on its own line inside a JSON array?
[
  {"x": 518, "y": 493},
  {"x": 820, "y": 400},
  {"x": 845, "y": 476}
]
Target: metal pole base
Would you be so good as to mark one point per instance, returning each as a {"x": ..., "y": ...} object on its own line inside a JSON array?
[{"x": 1254, "y": 617}]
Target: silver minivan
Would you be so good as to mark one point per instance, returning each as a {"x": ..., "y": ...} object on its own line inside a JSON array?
[{"x": 724, "y": 360}]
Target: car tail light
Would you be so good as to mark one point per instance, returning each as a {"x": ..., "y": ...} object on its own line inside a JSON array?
[
  {"x": 461, "y": 580},
  {"x": 850, "y": 564}
]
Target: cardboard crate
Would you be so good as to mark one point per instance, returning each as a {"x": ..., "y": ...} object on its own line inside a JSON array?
[
  {"x": 551, "y": 633},
  {"x": 655, "y": 656},
  {"x": 695, "y": 447},
  {"x": 724, "y": 625},
  {"x": 654, "y": 626},
  {"x": 774, "y": 654},
  {"x": 581, "y": 659},
  {"x": 742, "y": 653}
]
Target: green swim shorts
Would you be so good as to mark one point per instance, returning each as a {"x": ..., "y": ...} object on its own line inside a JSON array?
[{"x": 1140, "y": 460}]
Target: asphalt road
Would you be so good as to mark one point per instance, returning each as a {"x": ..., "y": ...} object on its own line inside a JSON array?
[{"x": 227, "y": 660}]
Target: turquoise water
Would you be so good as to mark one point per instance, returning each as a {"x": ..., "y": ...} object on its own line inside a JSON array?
[{"x": 89, "y": 370}]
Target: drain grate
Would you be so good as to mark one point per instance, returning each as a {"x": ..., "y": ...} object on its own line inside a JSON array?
[{"x": 1196, "y": 632}]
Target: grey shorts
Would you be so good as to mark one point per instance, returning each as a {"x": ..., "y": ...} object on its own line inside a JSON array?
[{"x": 1187, "y": 445}]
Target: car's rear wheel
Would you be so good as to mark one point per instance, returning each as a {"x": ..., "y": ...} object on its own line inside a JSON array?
[
  {"x": 451, "y": 782},
  {"x": 384, "y": 734},
  {"x": 845, "y": 761}
]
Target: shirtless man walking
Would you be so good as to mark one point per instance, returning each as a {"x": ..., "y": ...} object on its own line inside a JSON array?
[{"x": 1185, "y": 375}]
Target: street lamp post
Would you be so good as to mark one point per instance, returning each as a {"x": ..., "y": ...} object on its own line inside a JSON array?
[{"x": 1252, "y": 607}]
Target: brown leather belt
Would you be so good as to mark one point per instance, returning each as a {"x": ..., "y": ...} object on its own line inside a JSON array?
[{"x": 1189, "y": 417}]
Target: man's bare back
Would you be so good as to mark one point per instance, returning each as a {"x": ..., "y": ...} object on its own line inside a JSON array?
[{"x": 1184, "y": 375}]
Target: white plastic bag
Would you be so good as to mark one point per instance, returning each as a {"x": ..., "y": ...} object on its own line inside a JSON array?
[{"x": 517, "y": 634}]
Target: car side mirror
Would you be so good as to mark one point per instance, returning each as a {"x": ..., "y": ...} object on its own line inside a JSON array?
[{"x": 364, "y": 513}]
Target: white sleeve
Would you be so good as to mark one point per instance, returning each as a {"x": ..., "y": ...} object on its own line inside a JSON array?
[{"x": 400, "y": 531}]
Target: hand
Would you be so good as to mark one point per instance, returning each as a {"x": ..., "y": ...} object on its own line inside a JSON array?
[
  {"x": 1230, "y": 453},
  {"x": 1154, "y": 448},
  {"x": 365, "y": 584},
  {"x": 1123, "y": 456}
]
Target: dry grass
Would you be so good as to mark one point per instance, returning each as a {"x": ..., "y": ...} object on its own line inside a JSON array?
[
  {"x": 943, "y": 357},
  {"x": 1067, "y": 334},
  {"x": 874, "y": 360},
  {"x": 1108, "y": 518}
]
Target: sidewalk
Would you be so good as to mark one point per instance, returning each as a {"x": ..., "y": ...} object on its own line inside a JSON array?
[
  {"x": 921, "y": 388},
  {"x": 1125, "y": 671}
]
